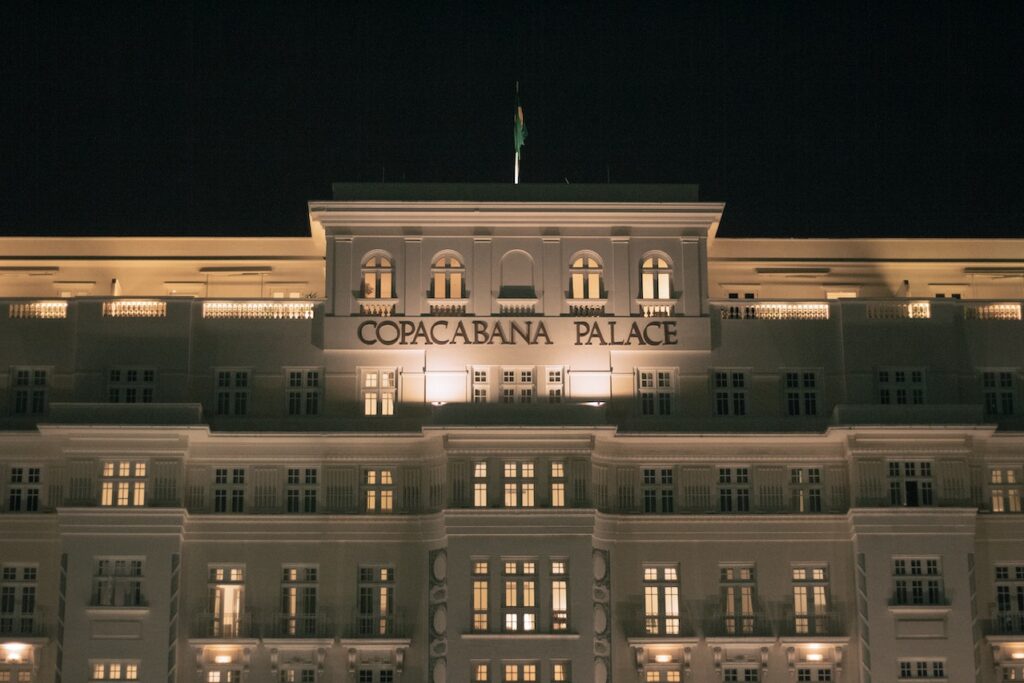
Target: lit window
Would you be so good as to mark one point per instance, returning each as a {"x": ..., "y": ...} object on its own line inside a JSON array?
[
  {"x": 481, "y": 589},
  {"x": 304, "y": 393},
  {"x": 480, "y": 484},
  {"x": 131, "y": 385},
  {"x": 519, "y": 598},
  {"x": 379, "y": 490},
  {"x": 232, "y": 395},
  {"x": 737, "y": 585},
  {"x": 557, "y": 484},
  {"x": 448, "y": 274},
  {"x": 481, "y": 673},
  {"x": 519, "y": 484},
  {"x": 585, "y": 278},
  {"x": 661, "y": 600},
  {"x": 378, "y": 277},
  {"x": 810, "y": 600},
  {"x": 655, "y": 278},
  {"x": 481, "y": 385},
  {"x": 226, "y": 590},
  {"x": 376, "y": 601},
  {"x": 1005, "y": 489},
  {"x": 805, "y": 489},
  {"x": 123, "y": 484},
  {"x": 559, "y": 595},
  {"x": 117, "y": 582},
  {"x": 378, "y": 390}
]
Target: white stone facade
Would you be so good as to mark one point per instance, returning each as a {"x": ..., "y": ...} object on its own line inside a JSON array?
[{"x": 495, "y": 433}]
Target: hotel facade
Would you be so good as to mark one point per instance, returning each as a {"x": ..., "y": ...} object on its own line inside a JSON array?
[{"x": 466, "y": 433}]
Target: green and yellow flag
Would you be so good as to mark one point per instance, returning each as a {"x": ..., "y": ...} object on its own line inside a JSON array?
[{"x": 518, "y": 131}]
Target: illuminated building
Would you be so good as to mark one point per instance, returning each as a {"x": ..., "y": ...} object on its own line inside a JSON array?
[{"x": 496, "y": 433}]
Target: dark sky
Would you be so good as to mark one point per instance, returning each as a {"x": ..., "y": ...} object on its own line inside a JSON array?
[{"x": 830, "y": 118}]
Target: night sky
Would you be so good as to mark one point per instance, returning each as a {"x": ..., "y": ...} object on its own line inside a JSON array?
[{"x": 816, "y": 118}]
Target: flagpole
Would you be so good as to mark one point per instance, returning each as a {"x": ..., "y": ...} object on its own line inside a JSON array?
[{"x": 517, "y": 169}]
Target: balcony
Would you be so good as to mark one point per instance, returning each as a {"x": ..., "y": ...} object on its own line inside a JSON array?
[
  {"x": 23, "y": 624},
  {"x": 585, "y": 308},
  {"x": 992, "y": 311},
  {"x": 259, "y": 310},
  {"x": 753, "y": 625},
  {"x": 316, "y": 625},
  {"x": 447, "y": 307},
  {"x": 38, "y": 310},
  {"x": 656, "y": 308},
  {"x": 368, "y": 626},
  {"x": 517, "y": 306},
  {"x": 773, "y": 310},
  {"x": 381, "y": 308},
  {"x": 215, "y": 626},
  {"x": 929, "y": 599},
  {"x": 134, "y": 308},
  {"x": 1007, "y": 623},
  {"x": 816, "y": 625},
  {"x": 899, "y": 310}
]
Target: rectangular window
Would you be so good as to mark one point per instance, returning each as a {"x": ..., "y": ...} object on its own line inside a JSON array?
[
  {"x": 229, "y": 489},
  {"x": 922, "y": 669},
  {"x": 805, "y": 489},
  {"x": 735, "y": 674},
  {"x": 226, "y": 590},
  {"x": 1009, "y": 584},
  {"x": 481, "y": 385},
  {"x": 807, "y": 674},
  {"x": 481, "y": 672},
  {"x": 801, "y": 392},
  {"x": 918, "y": 581},
  {"x": 224, "y": 676},
  {"x": 658, "y": 490},
  {"x": 734, "y": 489},
  {"x": 24, "y": 489},
  {"x": 379, "y": 390},
  {"x": 379, "y": 490},
  {"x": 514, "y": 673},
  {"x": 376, "y": 600},
  {"x": 738, "y": 598},
  {"x": 232, "y": 395},
  {"x": 810, "y": 600},
  {"x": 910, "y": 483},
  {"x": 480, "y": 484},
  {"x": 519, "y": 598},
  {"x": 730, "y": 387},
  {"x": 123, "y": 484},
  {"x": 561, "y": 672},
  {"x": 1005, "y": 489},
  {"x": 559, "y": 595},
  {"x": 301, "y": 491},
  {"x": 662, "y": 677},
  {"x": 297, "y": 674},
  {"x": 999, "y": 392},
  {"x": 554, "y": 386},
  {"x": 113, "y": 670},
  {"x": 518, "y": 484},
  {"x": 901, "y": 386},
  {"x": 18, "y": 589},
  {"x": 654, "y": 390},
  {"x": 298, "y": 600},
  {"x": 518, "y": 385},
  {"x": 661, "y": 599},
  {"x": 304, "y": 393},
  {"x": 481, "y": 590},
  {"x": 118, "y": 582},
  {"x": 131, "y": 385},
  {"x": 557, "y": 484},
  {"x": 30, "y": 390}
]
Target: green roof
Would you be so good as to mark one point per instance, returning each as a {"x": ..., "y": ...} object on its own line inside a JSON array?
[{"x": 507, "y": 192}]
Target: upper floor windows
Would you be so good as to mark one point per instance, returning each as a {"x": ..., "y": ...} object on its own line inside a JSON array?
[
  {"x": 730, "y": 389},
  {"x": 910, "y": 483},
  {"x": 114, "y": 670},
  {"x": 447, "y": 278},
  {"x": 661, "y": 599},
  {"x": 901, "y": 386},
  {"x": 378, "y": 389},
  {"x": 654, "y": 388},
  {"x": 304, "y": 391},
  {"x": 232, "y": 391},
  {"x": 24, "y": 489},
  {"x": 131, "y": 385},
  {"x": 117, "y": 582},
  {"x": 30, "y": 390},
  {"x": 1005, "y": 490},
  {"x": 918, "y": 581},
  {"x": 379, "y": 490},
  {"x": 801, "y": 392},
  {"x": 123, "y": 484},
  {"x": 378, "y": 277},
  {"x": 585, "y": 278},
  {"x": 998, "y": 388},
  {"x": 655, "y": 278},
  {"x": 658, "y": 490}
]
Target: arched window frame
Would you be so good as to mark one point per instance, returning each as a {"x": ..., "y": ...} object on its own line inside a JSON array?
[
  {"x": 655, "y": 277},
  {"x": 448, "y": 277},
  {"x": 378, "y": 276},
  {"x": 586, "y": 277}
]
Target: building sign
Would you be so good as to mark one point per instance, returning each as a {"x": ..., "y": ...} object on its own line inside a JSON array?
[{"x": 508, "y": 331}]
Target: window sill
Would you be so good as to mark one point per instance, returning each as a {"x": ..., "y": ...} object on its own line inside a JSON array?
[
  {"x": 120, "y": 611},
  {"x": 520, "y": 635},
  {"x": 912, "y": 610}
]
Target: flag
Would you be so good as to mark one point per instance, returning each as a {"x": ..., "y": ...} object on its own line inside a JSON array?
[{"x": 519, "y": 131}]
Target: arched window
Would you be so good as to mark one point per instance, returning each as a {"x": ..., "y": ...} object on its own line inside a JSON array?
[
  {"x": 448, "y": 274},
  {"x": 655, "y": 278},
  {"x": 378, "y": 277},
  {"x": 585, "y": 278}
]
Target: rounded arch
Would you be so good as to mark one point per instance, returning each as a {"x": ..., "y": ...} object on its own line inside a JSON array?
[
  {"x": 378, "y": 275},
  {"x": 517, "y": 272},
  {"x": 655, "y": 275},
  {"x": 586, "y": 275},
  {"x": 447, "y": 275}
]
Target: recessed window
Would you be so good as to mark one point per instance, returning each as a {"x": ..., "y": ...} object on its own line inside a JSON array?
[
  {"x": 232, "y": 394},
  {"x": 448, "y": 274},
  {"x": 655, "y": 278},
  {"x": 585, "y": 278},
  {"x": 738, "y": 584},
  {"x": 654, "y": 390},
  {"x": 1005, "y": 489},
  {"x": 123, "y": 484},
  {"x": 24, "y": 489},
  {"x": 810, "y": 600},
  {"x": 658, "y": 490},
  {"x": 730, "y": 387},
  {"x": 901, "y": 386},
  {"x": 379, "y": 389},
  {"x": 117, "y": 582},
  {"x": 304, "y": 392},
  {"x": 379, "y": 490},
  {"x": 519, "y": 484},
  {"x": 378, "y": 277},
  {"x": 301, "y": 491},
  {"x": 131, "y": 385},
  {"x": 734, "y": 489},
  {"x": 805, "y": 489},
  {"x": 917, "y": 581},
  {"x": 801, "y": 392},
  {"x": 661, "y": 599},
  {"x": 910, "y": 483},
  {"x": 519, "y": 597},
  {"x": 999, "y": 392},
  {"x": 30, "y": 390}
]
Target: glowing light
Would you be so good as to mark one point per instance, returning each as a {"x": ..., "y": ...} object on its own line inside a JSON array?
[
  {"x": 139, "y": 308},
  {"x": 43, "y": 310},
  {"x": 438, "y": 404},
  {"x": 13, "y": 652},
  {"x": 594, "y": 404},
  {"x": 815, "y": 657},
  {"x": 1017, "y": 655},
  {"x": 222, "y": 659},
  {"x": 663, "y": 659},
  {"x": 259, "y": 310}
]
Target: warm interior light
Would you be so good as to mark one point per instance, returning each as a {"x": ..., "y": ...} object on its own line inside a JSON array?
[
  {"x": 815, "y": 657},
  {"x": 593, "y": 404},
  {"x": 13, "y": 652},
  {"x": 663, "y": 659},
  {"x": 222, "y": 659},
  {"x": 1017, "y": 655},
  {"x": 438, "y": 404}
]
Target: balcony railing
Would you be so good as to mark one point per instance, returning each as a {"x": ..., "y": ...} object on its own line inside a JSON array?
[
  {"x": 751, "y": 625},
  {"x": 774, "y": 310},
  {"x": 135, "y": 308},
  {"x": 382, "y": 308},
  {"x": 815, "y": 624},
  {"x": 315, "y": 625},
  {"x": 929, "y": 599},
  {"x": 39, "y": 310},
  {"x": 992, "y": 311},
  {"x": 259, "y": 310},
  {"x": 207, "y": 625},
  {"x": 517, "y": 306},
  {"x": 1007, "y": 623},
  {"x": 899, "y": 310},
  {"x": 586, "y": 307},
  {"x": 656, "y": 308},
  {"x": 376, "y": 626},
  {"x": 23, "y": 624}
]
